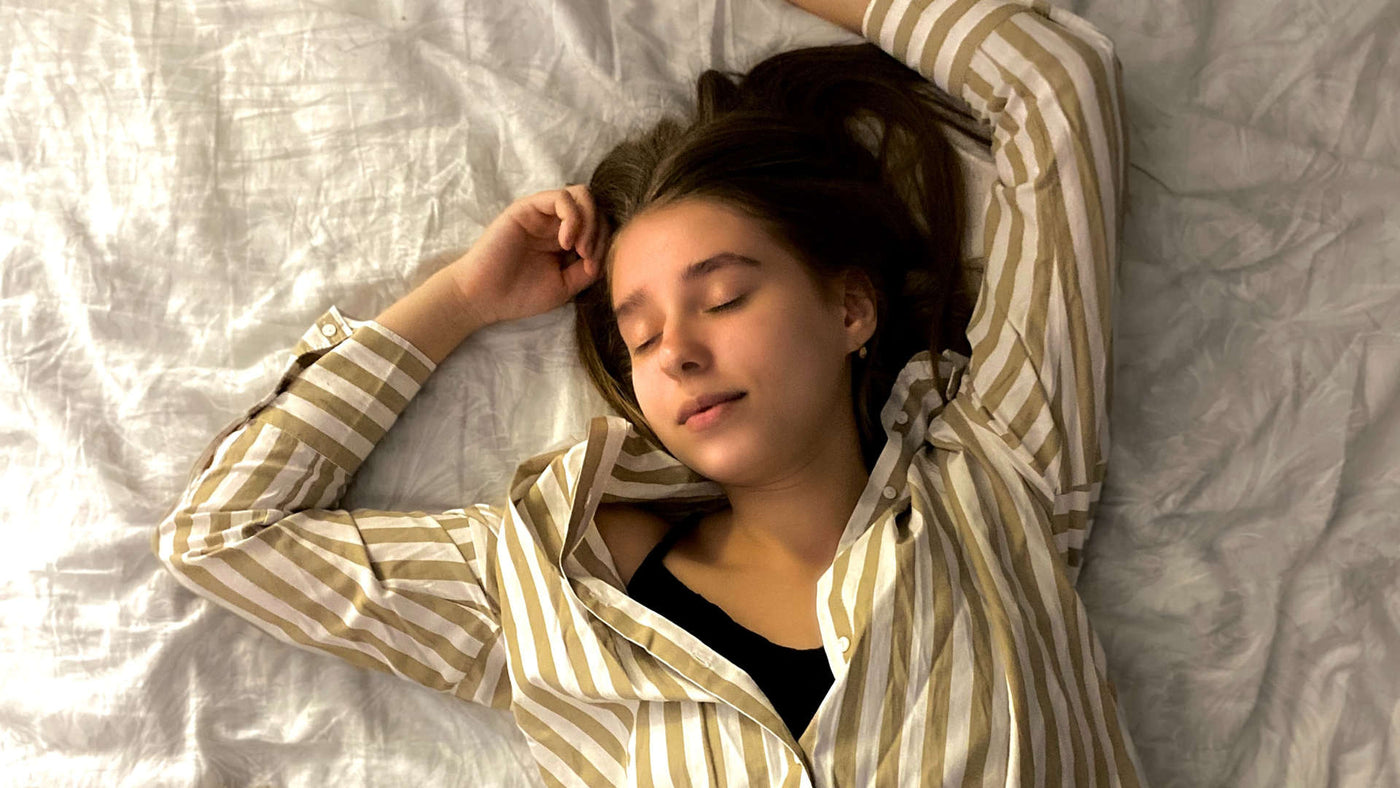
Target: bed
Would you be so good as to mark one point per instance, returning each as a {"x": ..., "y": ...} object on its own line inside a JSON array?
[{"x": 186, "y": 185}]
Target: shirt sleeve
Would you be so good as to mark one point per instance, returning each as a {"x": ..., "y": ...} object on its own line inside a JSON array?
[
  {"x": 1049, "y": 85},
  {"x": 406, "y": 593}
]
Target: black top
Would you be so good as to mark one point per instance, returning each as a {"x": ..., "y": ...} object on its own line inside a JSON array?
[{"x": 795, "y": 680}]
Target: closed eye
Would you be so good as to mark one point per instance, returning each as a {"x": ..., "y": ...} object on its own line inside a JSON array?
[{"x": 726, "y": 306}]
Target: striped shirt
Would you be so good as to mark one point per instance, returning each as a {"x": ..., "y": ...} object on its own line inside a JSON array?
[{"x": 962, "y": 653}]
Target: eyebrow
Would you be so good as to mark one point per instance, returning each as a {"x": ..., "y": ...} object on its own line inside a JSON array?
[{"x": 692, "y": 272}]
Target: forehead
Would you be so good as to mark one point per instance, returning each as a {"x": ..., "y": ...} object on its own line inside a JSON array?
[
  {"x": 661, "y": 243},
  {"x": 688, "y": 223}
]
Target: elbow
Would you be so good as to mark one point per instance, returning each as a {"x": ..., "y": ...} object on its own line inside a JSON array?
[
  {"x": 190, "y": 533},
  {"x": 184, "y": 533}
]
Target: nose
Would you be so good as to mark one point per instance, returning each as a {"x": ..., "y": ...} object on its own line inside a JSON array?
[{"x": 682, "y": 350}]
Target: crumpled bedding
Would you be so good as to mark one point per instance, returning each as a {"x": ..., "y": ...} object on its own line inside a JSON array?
[{"x": 186, "y": 185}]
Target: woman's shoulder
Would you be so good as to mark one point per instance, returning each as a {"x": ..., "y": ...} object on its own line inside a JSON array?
[{"x": 630, "y": 532}]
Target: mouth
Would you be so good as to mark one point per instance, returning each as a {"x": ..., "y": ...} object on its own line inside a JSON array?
[{"x": 703, "y": 404}]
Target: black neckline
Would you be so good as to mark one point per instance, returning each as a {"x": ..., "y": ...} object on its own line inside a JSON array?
[{"x": 697, "y": 605}]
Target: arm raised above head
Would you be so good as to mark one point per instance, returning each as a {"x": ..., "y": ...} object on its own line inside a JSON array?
[{"x": 1039, "y": 380}]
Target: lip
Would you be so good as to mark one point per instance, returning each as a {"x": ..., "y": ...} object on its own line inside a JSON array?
[
  {"x": 704, "y": 401},
  {"x": 709, "y": 417}
]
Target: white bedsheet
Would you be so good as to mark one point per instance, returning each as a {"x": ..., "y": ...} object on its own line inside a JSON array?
[{"x": 185, "y": 185}]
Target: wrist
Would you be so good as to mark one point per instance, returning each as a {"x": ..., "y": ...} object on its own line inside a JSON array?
[
  {"x": 457, "y": 302},
  {"x": 845, "y": 13},
  {"x": 434, "y": 317}
]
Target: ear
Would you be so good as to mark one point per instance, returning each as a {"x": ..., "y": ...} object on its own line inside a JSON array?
[{"x": 859, "y": 304}]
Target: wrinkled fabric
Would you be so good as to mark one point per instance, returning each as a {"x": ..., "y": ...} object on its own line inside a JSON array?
[{"x": 185, "y": 185}]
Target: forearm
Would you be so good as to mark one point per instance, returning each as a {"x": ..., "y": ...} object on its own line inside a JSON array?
[
  {"x": 259, "y": 529},
  {"x": 345, "y": 386},
  {"x": 433, "y": 317},
  {"x": 846, "y": 13}
]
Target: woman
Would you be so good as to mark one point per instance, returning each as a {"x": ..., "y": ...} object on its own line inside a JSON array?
[{"x": 814, "y": 552}]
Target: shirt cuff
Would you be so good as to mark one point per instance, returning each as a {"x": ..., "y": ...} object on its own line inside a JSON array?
[
  {"x": 333, "y": 327},
  {"x": 347, "y": 382}
]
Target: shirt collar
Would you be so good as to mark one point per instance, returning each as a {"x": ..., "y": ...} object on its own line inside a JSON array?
[{"x": 616, "y": 463}]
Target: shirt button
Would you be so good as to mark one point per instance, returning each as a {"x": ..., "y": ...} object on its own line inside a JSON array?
[
  {"x": 902, "y": 418},
  {"x": 328, "y": 330},
  {"x": 889, "y": 493},
  {"x": 843, "y": 643}
]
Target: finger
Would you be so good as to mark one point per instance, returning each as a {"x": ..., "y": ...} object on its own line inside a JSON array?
[
  {"x": 537, "y": 213},
  {"x": 587, "y": 241},
  {"x": 584, "y": 198},
  {"x": 570, "y": 218}
]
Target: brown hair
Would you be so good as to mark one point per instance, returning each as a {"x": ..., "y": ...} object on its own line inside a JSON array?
[{"x": 836, "y": 152}]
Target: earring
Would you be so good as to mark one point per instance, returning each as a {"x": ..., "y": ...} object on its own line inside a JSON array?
[{"x": 862, "y": 353}]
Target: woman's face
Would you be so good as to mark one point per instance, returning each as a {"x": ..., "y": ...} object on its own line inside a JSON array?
[{"x": 709, "y": 303}]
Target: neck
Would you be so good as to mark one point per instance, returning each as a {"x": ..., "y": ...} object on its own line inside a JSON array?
[{"x": 792, "y": 524}]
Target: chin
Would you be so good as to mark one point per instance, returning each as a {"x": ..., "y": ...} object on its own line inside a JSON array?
[{"x": 727, "y": 463}]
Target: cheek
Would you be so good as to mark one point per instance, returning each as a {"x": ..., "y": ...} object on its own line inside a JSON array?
[
  {"x": 799, "y": 342},
  {"x": 644, "y": 389}
]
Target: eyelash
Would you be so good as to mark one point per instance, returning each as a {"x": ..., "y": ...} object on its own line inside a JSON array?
[{"x": 726, "y": 306}]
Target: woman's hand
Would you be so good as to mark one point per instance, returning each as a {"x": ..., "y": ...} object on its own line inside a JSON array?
[{"x": 539, "y": 253}]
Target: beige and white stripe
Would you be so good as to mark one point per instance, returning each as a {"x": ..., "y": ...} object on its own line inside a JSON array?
[{"x": 961, "y": 651}]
